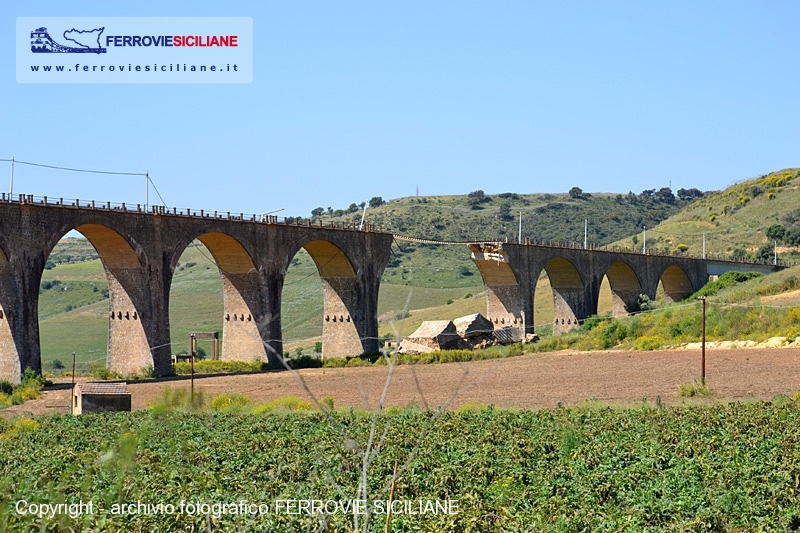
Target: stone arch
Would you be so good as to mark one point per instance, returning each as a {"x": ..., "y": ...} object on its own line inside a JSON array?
[
  {"x": 331, "y": 260},
  {"x": 625, "y": 288},
  {"x": 504, "y": 304},
  {"x": 676, "y": 283},
  {"x": 241, "y": 289},
  {"x": 114, "y": 250},
  {"x": 342, "y": 315},
  {"x": 129, "y": 326},
  {"x": 569, "y": 294}
]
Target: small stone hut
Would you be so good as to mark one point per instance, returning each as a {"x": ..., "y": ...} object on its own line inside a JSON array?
[
  {"x": 473, "y": 326},
  {"x": 430, "y": 336},
  {"x": 100, "y": 397}
]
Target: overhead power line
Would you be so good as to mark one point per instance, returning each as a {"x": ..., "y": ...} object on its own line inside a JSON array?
[
  {"x": 18, "y": 162},
  {"x": 87, "y": 171}
]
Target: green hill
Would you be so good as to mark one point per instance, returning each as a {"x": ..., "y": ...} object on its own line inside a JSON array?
[
  {"x": 424, "y": 281},
  {"x": 735, "y": 221}
]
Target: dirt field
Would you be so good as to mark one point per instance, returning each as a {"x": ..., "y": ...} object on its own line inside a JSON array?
[{"x": 540, "y": 380}]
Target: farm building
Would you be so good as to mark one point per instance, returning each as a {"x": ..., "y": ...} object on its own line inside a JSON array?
[
  {"x": 432, "y": 335},
  {"x": 473, "y": 326},
  {"x": 100, "y": 397}
]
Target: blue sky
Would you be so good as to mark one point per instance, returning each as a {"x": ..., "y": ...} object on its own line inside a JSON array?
[{"x": 354, "y": 100}]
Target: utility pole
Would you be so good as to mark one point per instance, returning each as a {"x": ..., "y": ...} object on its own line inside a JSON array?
[
  {"x": 192, "y": 352},
  {"x": 703, "y": 349},
  {"x": 146, "y": 189},
  {"x": 644, "y": 240},
  {"x": 363, "y": 215},
  {"x": 519, "y": 238},
  {"x": 11, "y": 187},
  {"x": 585, "y": 233}
]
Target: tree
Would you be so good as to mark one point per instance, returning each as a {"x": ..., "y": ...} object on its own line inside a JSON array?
[
  {"x": 776, "y": 232},
  {"x": 504, "y": 212},
  {"x": 376, "y": 201},
  {"x": 476, "y": 196},
  {"x": 687, "y": 195},
  {"x": 739, "y": 253},
  {"x": 353, "y": 208},
  {"x": 576, "y": 192},
  {"x": 766, "y": 253},
  {"x": 665, "y": 195},
  {"x": 317, "y": 212},
  {"x": 792, "y": 237}
]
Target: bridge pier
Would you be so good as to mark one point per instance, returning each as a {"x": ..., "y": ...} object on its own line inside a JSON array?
[
  {"x": 570, "y": 308},
  {"x": 243, "y": 301},
  {"x": 12, "y": 330},
  {"x": 344, "y": 327},
  {"x": 136, "y": 340}
]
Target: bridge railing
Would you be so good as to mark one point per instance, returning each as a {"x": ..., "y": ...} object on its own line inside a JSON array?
[
  {"x": 188, "y": 212},
  {"x": 648, "y": 251}
]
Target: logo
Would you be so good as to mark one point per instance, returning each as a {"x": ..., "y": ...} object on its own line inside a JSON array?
[
  {"x": 134, "y": 49},
  {"x": 88, "y": 41}
]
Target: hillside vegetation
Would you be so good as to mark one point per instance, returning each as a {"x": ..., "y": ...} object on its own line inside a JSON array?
[{"x": 737, "y": 221}]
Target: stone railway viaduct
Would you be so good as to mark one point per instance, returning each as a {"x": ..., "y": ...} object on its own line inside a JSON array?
[{"x": 140, "y": 250}]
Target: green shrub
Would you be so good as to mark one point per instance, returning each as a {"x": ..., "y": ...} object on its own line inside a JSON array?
[
  {"x": 230, "y": 401},
  {"x": 101, "y": 371},
  {"x": 177, "y": 400},
  {"x": 283, "y": 404},
  {"x": 219, "y": 367},
  {"x": 728, "y": 279},
  {"x": 472, "y": 407},
  {"x": 327, "y": 403},
  {"x": 334, "y": 362},
  {"x": 6, "y": 387},
  {"x": 690, "y": 390},
  {"x": 304, "y": 361},
  {"x": 612, "y": 334},
  {"x": 594, "y": 321},
  {"x": 648, "y": 343}
]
